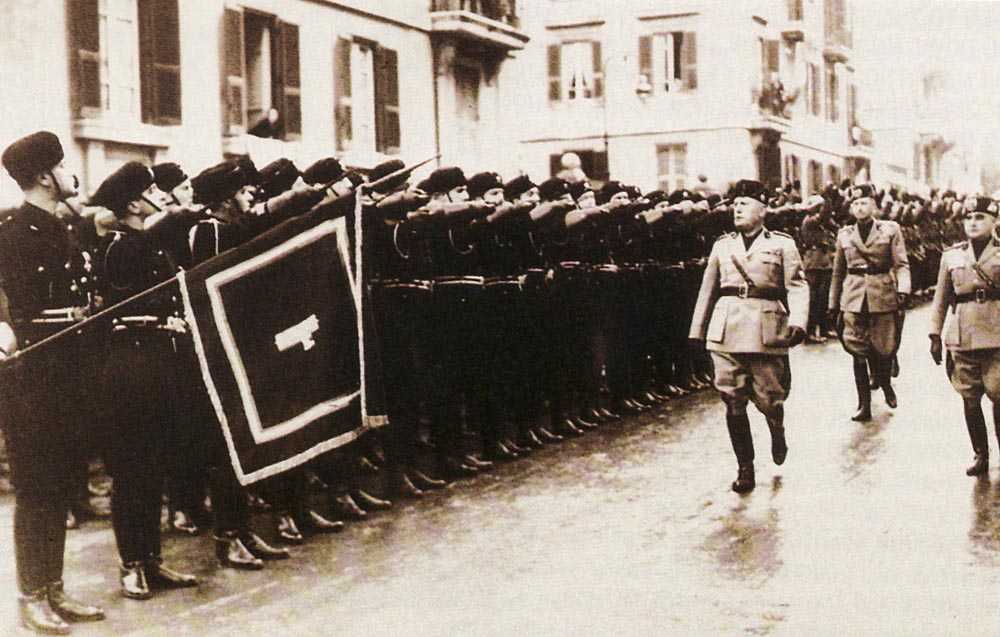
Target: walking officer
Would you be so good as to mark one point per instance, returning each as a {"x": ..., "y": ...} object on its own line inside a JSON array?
[
  {"x": 752, "y": 307},
  {"x": 44, "y": 279},
  {"x": 870, "y": 285},
  {"x": 969, "y": 284}
]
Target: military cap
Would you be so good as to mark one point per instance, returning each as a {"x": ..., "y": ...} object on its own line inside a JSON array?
[
  {"x": 443, "y": 180},
  {"x": 517, "y": 187},
  {"x": 481, "y": 183},
  {"x": 578, "y": 188},
  {"x": 122, "y": 187},
  {"x": 248, "y": 171},
  {"x": 385, "y": 169},
  {"x": 324, "y": 171},
  {"x": 278, "y": 176},
  {"x": 860, "y": 191},
  {"x": 32, "y": 155},
  {"x": 677, "y": 196},
  {"x": 168, "y": 176},
  {"x": 750, "y": 189},
  {"x": 980, "y": 204},
  {"x": 657, "y": 196},
  {"x": 553, "y": 188},
  {"x": 610, "y": 189},
  {"x": 219, "y": 182}
]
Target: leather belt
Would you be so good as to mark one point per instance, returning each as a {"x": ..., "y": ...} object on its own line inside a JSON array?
[
  {"x": 746, "y": 292},
  {"x": 981, "y": 295},
  {"x": 864, "y": 271}
]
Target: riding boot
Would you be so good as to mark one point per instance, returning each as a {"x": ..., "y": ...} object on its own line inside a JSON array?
[
  {"x": 861, "y": 380},
  {"x": 776, "y": 423},
  {"x": 742, "y": 441},
  {"x": 975, "y": 422},
  {"x": 884, "y": 367}
]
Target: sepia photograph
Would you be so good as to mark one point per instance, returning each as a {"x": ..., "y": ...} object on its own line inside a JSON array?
[{"x": 499, "y": 318}]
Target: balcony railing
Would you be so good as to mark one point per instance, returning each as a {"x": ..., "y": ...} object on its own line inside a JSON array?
[
  {"x": 772, "y": 99},
  {"x": 504, "y": 11}
]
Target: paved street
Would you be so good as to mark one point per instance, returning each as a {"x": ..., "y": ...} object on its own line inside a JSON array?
[{"x": 632, "y": 530}]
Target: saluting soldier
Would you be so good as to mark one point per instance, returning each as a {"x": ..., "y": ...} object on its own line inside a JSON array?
[
  {"x": 752, "y": 307},
  {"x": 870, "y": 285},
  {"x": 969, "y": 283},
  {"x": 43, "y": 279}
]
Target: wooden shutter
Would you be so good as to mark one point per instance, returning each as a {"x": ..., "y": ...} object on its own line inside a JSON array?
[
  {"x": 646, "y": 58},
  {"x": 555, "y": 72},
  {"x": 234, "y": 94},
  {"x": 85, "y": 46},
  {"x": 342, "y": 93},
  {"x": 287, "y": 88},
  {"x": 771, "y": 58},
  {"x": 160, "y": 61},
  {"x": 595, "y": 48},
  {"x": 386, "y": 101},
  {"x": 689, "y": 61}
]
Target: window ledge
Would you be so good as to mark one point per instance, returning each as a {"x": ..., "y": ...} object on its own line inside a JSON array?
[{"x": 137, "y": 134}]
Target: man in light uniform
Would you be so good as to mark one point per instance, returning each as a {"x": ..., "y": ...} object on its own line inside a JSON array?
[
  {"x": 752, "y": 307},
  {"x": 969, "y": 282}
]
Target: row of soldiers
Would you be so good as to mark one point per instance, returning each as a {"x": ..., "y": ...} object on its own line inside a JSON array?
[{"x": 510, "y": 315}]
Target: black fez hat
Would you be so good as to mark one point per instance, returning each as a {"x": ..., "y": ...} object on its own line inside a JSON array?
[
  {"x": 610, "y": 189},
  {"x": 122, "y": 187},
  {"x": 656, "y": 196},
  {"x": 168, "y": 176},
  {"x": 32, "y": 155},
  {"x": 677, "y": 196},
  {"x": 219, "y": 182},
  {"x": 481, "y": 183},
  {"x": 553, "y": 188},
  {"x": 980, "y": 204},
  {"x": 385, "y": 169},
  {"x": 860, "y": 191},
  {"x": 323, "y": 172},
  {"x": 248, "y": 171},
  {"x": 633, "y": 191},
  {"x": 579, "y": 188},
  {"x": 278, "y": 176},
  {"x": 443, "y": 180},
  {"x": 517, "y": 187},
  {"x": 749, "y": 188}
]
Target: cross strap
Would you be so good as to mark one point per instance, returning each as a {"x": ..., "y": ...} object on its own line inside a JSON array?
[{"x": 743, "y": 272}]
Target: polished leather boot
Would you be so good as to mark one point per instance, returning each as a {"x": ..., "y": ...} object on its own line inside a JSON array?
[
  {"x": 406, "y": 489},
  {"x": 861, "y": 383},
  {"x": 548, "y": 437},
  {"x": 516, "y": 448},
  {"x": 745, "y": 481},
  {"x": 426, "y": 483},
  {"x": 531, "y": 439},
  {"x": 567, "y": 429},
  {"x": 628, "y": 408},
  {"x": 653, "y": 399},
  {"x": 369, "y": 502},
  {"x": 70, "y": 609},
  {"x": 584, "y": 424},
  {"x": 183, "y": 523},
  {"x": 498, "y": 452},
  {"x": 975, "y": 422},
  {"x": 779, "y": 447},
  {"x": 160, "y": 576},
  {"x": 595, "y": 415},
  {"x": 261, "y": 550},
  {"x": 455, "y": 468},
  {"x": 345, "y": 508},
  {"x": 742, "y": 441},
  {"x": 232, "y": 552},
  {"x": 478, "y": 463},
  {"x": 36, "y": 614},
  {"x": 610, "y": 415},
  {"x": 134, "y": 584},
  {"x": 313, "y": 521},
  {"x": 288, "y": 530}
]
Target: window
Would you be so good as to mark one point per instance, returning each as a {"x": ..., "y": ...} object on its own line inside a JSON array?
[
  {"x": 794, "y": 9},
  {"x": 262, "y": 86},
  {"x": 832, "y": 93},
  {"x": 467, "y": 81},
  {"x": 669, "y": 61},
  {"x": 833, "y": 174},
  {"x": 813, "y": 89},
  {"x": 671, "y": 161},
  {"x": 576, "y": 71},
  {"x": 366, "y": 96},
  {"x": 835, "y": 23},
  {"x": 917, "y": 155},
  {"x": 594, "y": 164},
  {"x": 126, "y": 59},
  {"x": 815, "y": 176},
  {"x": 793, "y": 169}
]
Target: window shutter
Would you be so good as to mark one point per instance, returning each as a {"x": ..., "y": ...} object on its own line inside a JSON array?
[
  {"x": 771, "y": 58},
  {"x": 386, "y": 101},
  {"x": 86, "y": 47},
  {"x": 234, "y": 73},
  {"x": 598, "y": 69},
  {"x": 689, "y": 61},
  {"x": 555, "y": 72},
  {"x": 160, "y": 61},
  {"x": 646, "y": 58},
  {"x": 342, "y": 93},
  {"x": 600, "y": 170},
  {"x": 555, "y": 164},
  {"x": 288, "y": 87}
]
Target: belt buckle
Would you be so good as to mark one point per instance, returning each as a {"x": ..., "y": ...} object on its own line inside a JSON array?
[
  {"x": 980, "y": 295},
  {"x": 743, "y": 291}
]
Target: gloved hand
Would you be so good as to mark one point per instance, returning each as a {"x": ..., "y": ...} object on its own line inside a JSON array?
[
  {"x": 797, "y": 337},
  {"x": 936, "y": 348}
]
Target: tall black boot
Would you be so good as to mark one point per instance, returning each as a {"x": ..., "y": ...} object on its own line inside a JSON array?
[
  {"x": 996, "y": 420},
  {"x": 742, "y": 441},
  {"x": 884, "y": 377},
  {"x": 976, "y": 424},
  {"x": 776, "y": 423},
  {"x": 861, "y": 379}
]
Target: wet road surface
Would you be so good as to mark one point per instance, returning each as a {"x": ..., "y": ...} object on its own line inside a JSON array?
[{"x": 632, "y": 530}]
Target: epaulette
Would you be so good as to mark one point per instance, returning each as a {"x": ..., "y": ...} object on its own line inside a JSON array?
[
  {"x": 782, "y": 234},
  {"x": 727, "y": 235},
  {"x": 961, "y": 245}
]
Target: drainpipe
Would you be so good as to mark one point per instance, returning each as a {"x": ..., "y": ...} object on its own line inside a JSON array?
[{"x": 437, "y": 107}]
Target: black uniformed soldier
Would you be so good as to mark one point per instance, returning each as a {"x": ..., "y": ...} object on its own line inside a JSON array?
[
  {"x": 142, "y": 368},
  {"x": 43, "y": 279}
]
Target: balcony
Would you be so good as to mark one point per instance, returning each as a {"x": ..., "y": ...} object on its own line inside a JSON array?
[
  {"x": 838, "y": 44},
  {"x": 774, "y": 102},
  {"x": 491, "y": 23},
  {"x": 861, "y": 137}
]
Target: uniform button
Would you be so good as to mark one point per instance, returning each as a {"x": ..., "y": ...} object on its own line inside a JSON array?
[
  {"x": 41, "y": 268},
  {"x": 83, "y": 279}
]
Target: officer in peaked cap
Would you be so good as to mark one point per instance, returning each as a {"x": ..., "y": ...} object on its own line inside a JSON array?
[
  {"x": 43, "y": 277},
  {"x": 869, "y": 286},
  {"x": 969, "y": 283},
  {"x": 752, "y": 307}
]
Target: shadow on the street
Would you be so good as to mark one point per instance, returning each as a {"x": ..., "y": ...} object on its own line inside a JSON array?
[
  {"x": 984, "y": 535},
  {"x": 747, "y": 544},
  {"x": 865, "y": 446}
]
